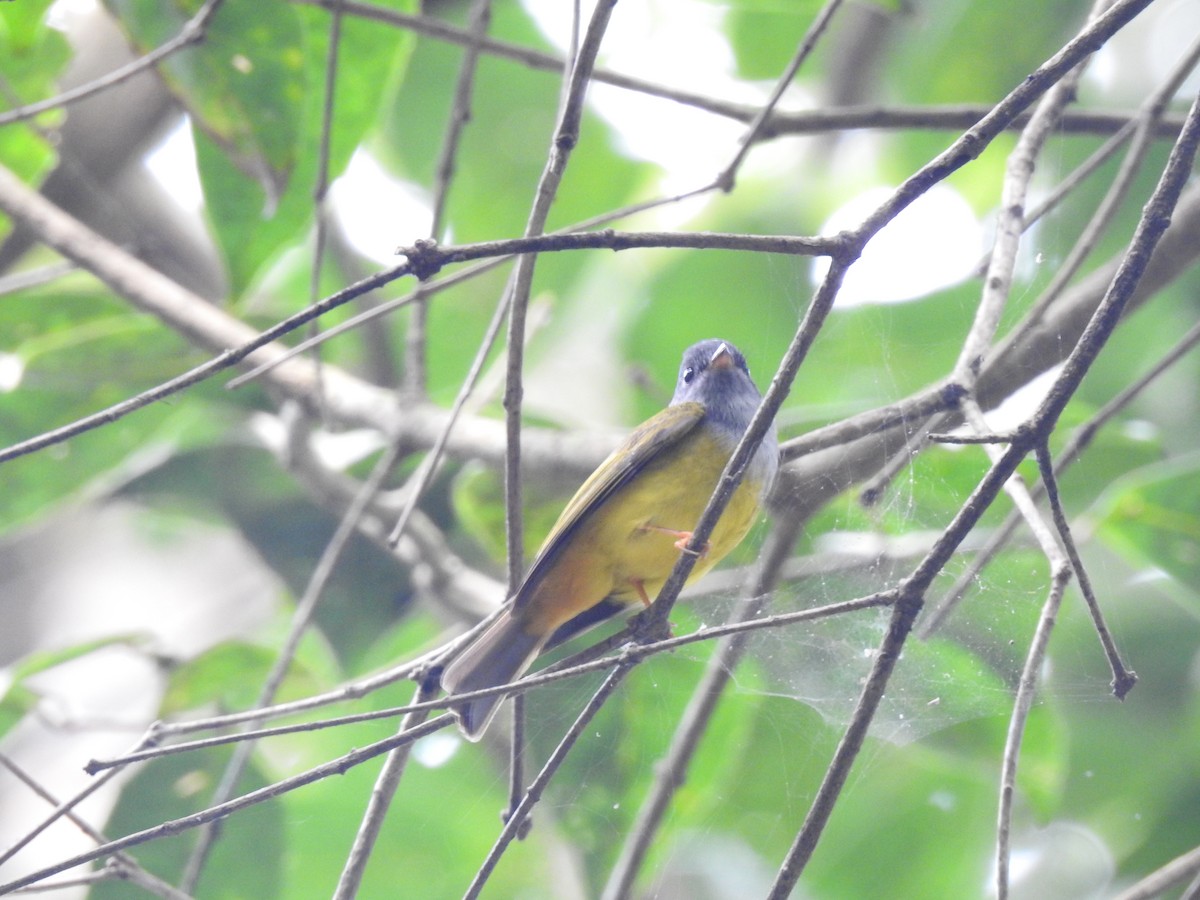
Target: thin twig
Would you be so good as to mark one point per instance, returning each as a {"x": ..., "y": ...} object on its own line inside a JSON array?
[
  {"x": 874, "y": 488},
  {"x": 1151, "y": 111},
  {"x": 1153, "y": 222},
  {"x": 320, "y": 201},
  {"x": 343, "y": 694},
  {"x": 997, "y": 282},
  {"x": 949, "y": 117},
  {"x": 443, "y": 174},
  {"x": 174, "y": 826},
  {"x": 929, "y": 401},
  {"x": 512, "y": 827},
  {"x": 66, "y": 806},
  {"x": 420, "y": 480},
  {"x": 728, "y": 175},
  {"x": 1071, "y": 451},
  {"x": 911, "y": 594},
  {"x": 516, "y": 762},
  {"x": 104, "y": 875},
  {"x": 566, "y": 136},
  {"x": 301, "y": 620},
  {"x": 381, "y": 799},
  {"x": 1123, "y": 678},
  {"x": 1066, "y": 186},
  {"x": 560, "y": 671},
  {"x": 31, "y": 278},
  {"x": 903, "y": 612},
  {"x": 131, "y": 868},
  {"x": 1060, "y": 576},
  {"x": 908, "y": 600},
  {"x": 426, "y": 258},
  {"x": 671, "y": 770},
  {"x": 1162, "y": 880},
  {"x": 1018, "y": 491},
  {"x": 1010, "y": 224}
]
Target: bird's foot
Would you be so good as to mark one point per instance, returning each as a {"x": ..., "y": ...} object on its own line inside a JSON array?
[{"x": 683, "y": 539}]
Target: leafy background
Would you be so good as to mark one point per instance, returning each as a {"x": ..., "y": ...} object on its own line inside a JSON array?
[{"x": 150, "y": 566}]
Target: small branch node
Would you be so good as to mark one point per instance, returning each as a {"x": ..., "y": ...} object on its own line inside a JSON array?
[{"x": 425, "y": 258}]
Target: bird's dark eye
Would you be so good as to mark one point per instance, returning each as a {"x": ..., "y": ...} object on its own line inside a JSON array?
[{"x": 688, "y": 374}]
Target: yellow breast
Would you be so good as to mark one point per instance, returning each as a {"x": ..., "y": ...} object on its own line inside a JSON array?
[{"x": 614, "y": 551}]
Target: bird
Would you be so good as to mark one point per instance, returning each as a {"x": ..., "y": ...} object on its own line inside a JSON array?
[{"x": 618, "y": 539}]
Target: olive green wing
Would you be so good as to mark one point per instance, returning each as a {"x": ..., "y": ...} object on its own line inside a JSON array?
[{"x": 651, "y": 438}]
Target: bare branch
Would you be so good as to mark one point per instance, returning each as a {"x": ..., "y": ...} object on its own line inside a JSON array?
[
  {"x": 1149, "y": 115},
  {"x": 65, "y": 807},
  {"x": 673, "y": 767},
  {"x": 192, "y": 32},
  {"x": 952, "y": 117},
  {"x": 381, "y": 800},
  {"x": 130, "y": 869},
  {"x": 460, "y": 113},
  {"x": 533, "y": 794},
  {"x": 1157, "y": 883},
  {"x": 175, "y": 826},
  {"x": 1123, "y": 678},
  {"x": 1034, "y": 660},
  {"x": 803, "y": 50},
  {"x": 568, "y": 668},
  {"x": 566, "y": 136}
]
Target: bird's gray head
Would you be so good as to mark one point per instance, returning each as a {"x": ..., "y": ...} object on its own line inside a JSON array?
[{"x": 714, "y": 373}]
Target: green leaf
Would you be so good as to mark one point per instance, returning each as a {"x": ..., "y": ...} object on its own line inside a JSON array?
[
  {"x": 766, "y": 33},
  {"x": 17, "y": 700},
  {"x": 77, "y": 352},
  {"x": 896, "y": 791},
  {"x": 478, "y": 497},
  {"x": 243, "y": 85},
  {"x": 32, "y": 57},
  {"x": 244, "y": 486},
  {"x": 1152, "y": 516},
  {"x": 247, "y": 861},
  {"x": 255, "y": 88},
  {"x": 230, "y": 675},
  {"x": 48, "y": 659}
]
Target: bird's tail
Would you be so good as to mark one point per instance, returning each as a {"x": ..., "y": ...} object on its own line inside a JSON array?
[{"x": 498, "y": 656}]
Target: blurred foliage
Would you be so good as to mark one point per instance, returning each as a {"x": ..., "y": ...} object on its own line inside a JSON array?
[
  {"x": 917, "y": 819},
  {"x": 32, "y": 56}
]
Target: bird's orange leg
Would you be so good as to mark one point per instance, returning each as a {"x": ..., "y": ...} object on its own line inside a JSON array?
[
  {"x": 640, "y": 587},
  {"x": 683, "y": 538}
]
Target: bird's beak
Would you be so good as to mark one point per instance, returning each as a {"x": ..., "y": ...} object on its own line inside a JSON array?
[{"x": 722, "y": 359}]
